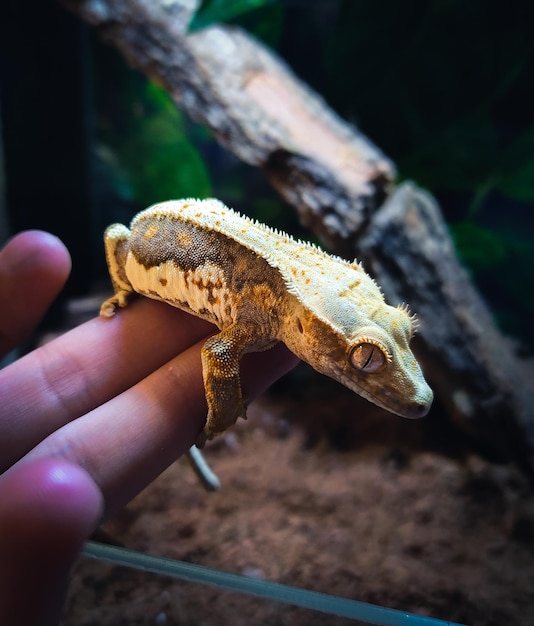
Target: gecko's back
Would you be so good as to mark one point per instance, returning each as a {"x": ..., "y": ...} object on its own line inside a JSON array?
[{"x": 177, "y": 255}]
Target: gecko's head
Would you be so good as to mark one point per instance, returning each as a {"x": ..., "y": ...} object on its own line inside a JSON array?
[{"x": 366, "y": 348}]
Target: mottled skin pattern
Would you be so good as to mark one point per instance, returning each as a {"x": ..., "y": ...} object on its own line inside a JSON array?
[{"x": 260, "y": 286}]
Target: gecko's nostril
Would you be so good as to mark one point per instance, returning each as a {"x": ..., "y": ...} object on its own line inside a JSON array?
[{"x": 420, "y": 408}]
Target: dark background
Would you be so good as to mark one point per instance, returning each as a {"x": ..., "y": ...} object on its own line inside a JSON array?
[{"x": 444, "y": 88}]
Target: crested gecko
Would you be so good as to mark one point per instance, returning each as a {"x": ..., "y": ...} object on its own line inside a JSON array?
[{"x": 260, "y": 286}]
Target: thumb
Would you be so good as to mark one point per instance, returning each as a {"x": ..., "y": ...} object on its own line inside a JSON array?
[{"x": 47, "y": 509}]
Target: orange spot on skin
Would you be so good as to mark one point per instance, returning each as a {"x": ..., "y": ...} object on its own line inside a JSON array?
[
  {"x": 184, "y": 240},
  {"x": 151, "y": 231}
]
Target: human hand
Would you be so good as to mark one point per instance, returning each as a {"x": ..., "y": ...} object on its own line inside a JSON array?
[{"x": 87, "y": 420}]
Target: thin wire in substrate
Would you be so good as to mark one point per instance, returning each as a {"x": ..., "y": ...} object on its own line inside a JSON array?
[{"x": 313, "y": 600}]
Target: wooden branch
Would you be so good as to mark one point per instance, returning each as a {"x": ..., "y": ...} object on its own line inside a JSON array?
[
  {"x": 471, "y": 366},
  {"x": 255, "y": 107},
  {"x": 339, "y": 182}
]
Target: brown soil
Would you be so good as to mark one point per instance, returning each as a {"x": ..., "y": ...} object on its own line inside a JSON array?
[{"x": 379, "y": 509}]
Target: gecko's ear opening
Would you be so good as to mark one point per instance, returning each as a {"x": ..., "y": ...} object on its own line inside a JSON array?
[{"x": 368, "y": 357}]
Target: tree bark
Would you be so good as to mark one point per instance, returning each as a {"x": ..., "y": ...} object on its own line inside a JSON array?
[
  {"x": 472, "y": 367},
  {"x": 342, "y": 187}
]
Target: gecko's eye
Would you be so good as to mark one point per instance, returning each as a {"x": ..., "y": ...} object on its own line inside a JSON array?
[{"x": 368, "y": 357}]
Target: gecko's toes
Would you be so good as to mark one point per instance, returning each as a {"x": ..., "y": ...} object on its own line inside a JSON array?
[{"x": 107, "y": 309}]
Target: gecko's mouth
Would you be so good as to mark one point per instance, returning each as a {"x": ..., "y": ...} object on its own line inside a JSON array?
[{"x": 413, "y": 408}]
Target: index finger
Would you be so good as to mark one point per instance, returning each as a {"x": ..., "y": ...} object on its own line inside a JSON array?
[{"x": 85, "y": 368}]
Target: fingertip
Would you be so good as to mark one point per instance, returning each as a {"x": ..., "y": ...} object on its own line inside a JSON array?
[
  {"x": 34, "y": 267},
  {"x": 52, "y": 505},
  {"x": 49, "y": 507},
  {"x": 36, "y": 249},
  {"x": 68, "y": 489}
]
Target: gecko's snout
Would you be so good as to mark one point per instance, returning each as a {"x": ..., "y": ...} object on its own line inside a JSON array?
[
  {"x": 420, "y": 406},
  {"x": 419, "y": 409}
]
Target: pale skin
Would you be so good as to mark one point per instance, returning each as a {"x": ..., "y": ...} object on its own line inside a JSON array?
[{"x": 88, "y": 420}]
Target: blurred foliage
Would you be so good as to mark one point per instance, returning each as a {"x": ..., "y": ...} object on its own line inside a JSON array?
[
  {"x": 490, "y": 249},
  {"x": 262, "y": 18},
  {"x": 453, "y": 83},
  {"x": 215, "y": 11},
  {"x": 143, "y": 143},
  {"x": 443, "y": 87}
]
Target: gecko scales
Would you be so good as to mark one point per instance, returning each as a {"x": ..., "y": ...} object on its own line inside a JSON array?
[{"x": 260, "y": 286}]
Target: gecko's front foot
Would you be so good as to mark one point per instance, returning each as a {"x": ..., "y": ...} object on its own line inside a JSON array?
[{"x": 120, "y": 299}]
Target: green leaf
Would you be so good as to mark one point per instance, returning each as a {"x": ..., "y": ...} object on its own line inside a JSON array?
[
  {"x": 153, "y": 158},
  {"x": 168, "y": 166},
  {"x": 478, "y": 247},
  {"x": 162, "y": 161},
  {"x": 517, "y": 168},
  {"x": 215, "y": 11}
]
